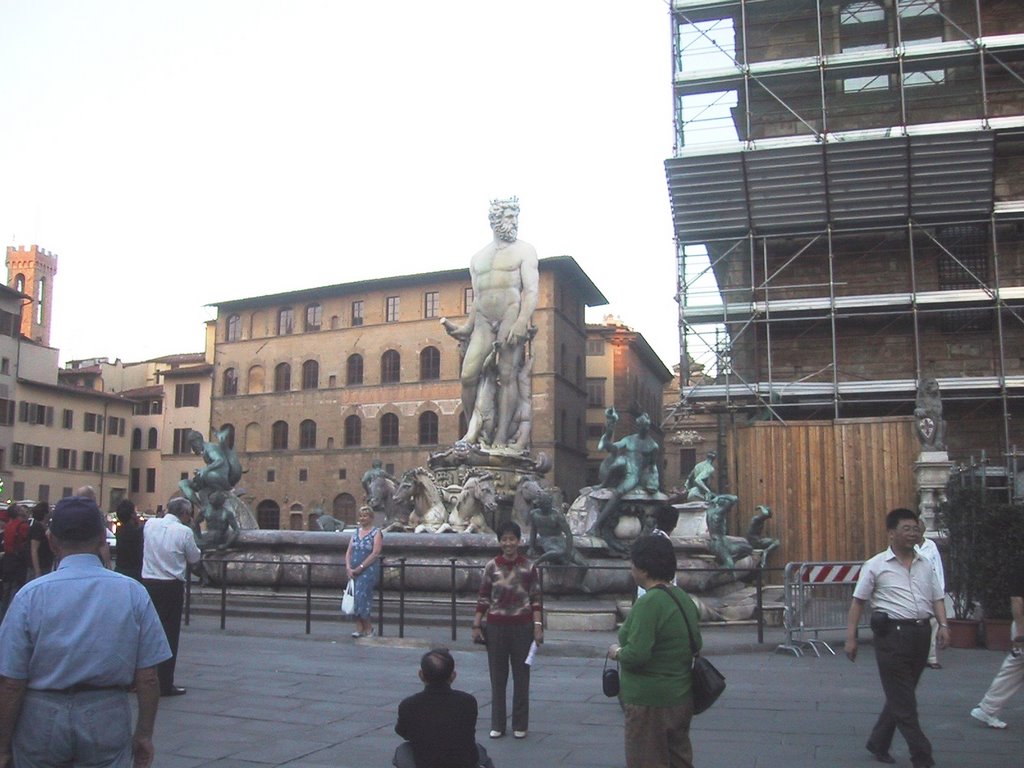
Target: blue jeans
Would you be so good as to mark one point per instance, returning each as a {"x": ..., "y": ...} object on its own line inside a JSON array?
[{"x": 91, "y": 729}]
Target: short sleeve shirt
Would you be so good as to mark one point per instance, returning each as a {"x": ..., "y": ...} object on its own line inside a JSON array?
[
  {"x": 81, "y": 624},
  {"x": 900, "y": 592}
]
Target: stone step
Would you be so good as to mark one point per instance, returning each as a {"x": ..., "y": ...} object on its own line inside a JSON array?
[{"x": 424, "y": 609}]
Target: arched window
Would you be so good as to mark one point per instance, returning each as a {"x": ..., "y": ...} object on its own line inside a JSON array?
[
  {"x": 279, "y": 436},
  {"x": 390, "y": 367},
  {"x": 234, "y": 330},
  {"x": 389, "y": 429},
  {"x": 253, "y": 437},
  {"x": 430, "y": 364},
  {"x": 310, "y": 374},
  {"x": 255, "y": 380},
  {"x": 136, "y": 439},
  {"x": 153, "y": 439},
  {"x": 428, "y": 428},
  {"x": 314, "y": 317},
  {"x": 344, "y": 507},
  {"x": 268, "y": 515},
  {"x": 230, "y": 382},
  {"x": 353, "y": 431},
  {"x": 282, "y": 377},
  {"x": 307, "y": 435},
  {"x": 354, "y": 370},
  {"x": 19, "y": 283},
  {"x": 285, "y": 321}
]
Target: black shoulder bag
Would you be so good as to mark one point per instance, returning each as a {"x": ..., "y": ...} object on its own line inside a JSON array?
[{"x": 706, "y": 681}]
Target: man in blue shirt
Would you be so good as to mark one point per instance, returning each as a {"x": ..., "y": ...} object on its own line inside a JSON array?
[{"x": 74, "y": 641}]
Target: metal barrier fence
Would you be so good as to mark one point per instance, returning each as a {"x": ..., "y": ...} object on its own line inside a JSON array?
[
  {"x": 398, "y": 598},
  {"x": 817, "y": 599}
]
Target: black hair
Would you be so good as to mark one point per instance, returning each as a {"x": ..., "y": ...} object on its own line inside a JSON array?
[
  {"x": 509, "y": 526},
  {"x": 655, "y": 556},
  {"x": 125, "y": 510},
  {"x": 892, "y": 520},
  {"x": 40, "y": 511},
  {"x": 666, "y": 518},
  {"x": 437, "y": 665}
]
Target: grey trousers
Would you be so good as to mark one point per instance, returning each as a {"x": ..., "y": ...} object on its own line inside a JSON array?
[
  {"x": 91, "y": 729},
  {"x": 507, "y": 646}
]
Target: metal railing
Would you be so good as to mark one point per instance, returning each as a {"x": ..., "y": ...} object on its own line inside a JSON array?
[{"x": 399, "y": 597}]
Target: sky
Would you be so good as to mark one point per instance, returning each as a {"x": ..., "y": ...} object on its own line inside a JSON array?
[{"x": 175, "y": 154}]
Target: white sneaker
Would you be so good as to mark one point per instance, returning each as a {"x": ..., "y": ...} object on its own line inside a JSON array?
[
  {"x": 519, "y": 734},
  {"x": 497, "y": 734},
  {"x": 991, "y": 721}
]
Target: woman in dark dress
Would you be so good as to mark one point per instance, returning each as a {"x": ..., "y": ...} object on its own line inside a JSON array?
[{"x": 129, "y": 541}]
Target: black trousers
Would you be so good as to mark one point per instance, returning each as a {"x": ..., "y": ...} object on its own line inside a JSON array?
[
  {"x": 902, "y": 654},
  {"x": 507, "y": 647},
  {"x": 405, "y": 758},
  {"x": 168, "y": 598}
]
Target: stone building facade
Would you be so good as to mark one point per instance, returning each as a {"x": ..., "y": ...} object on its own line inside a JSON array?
[{"x": 622, "y": 370}]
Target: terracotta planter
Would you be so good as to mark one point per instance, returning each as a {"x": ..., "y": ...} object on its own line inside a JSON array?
[
  {"x": 963, "y": 633},
  {"x": 997, "y": 634}
]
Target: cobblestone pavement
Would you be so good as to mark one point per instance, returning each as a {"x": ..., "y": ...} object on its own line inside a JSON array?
[{"x": 262, "y": 693}]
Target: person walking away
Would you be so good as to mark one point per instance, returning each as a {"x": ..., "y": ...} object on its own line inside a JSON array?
[
  {"x": 129, "y": 540},
  {"x": 362, "y": 564},
  {"x": 40, "y": 554},
  {"x": 73, "y": 642},
  {"x": 655, "y": 655},
  {"x": 928, "y": 549},
  {"x": 169, "y": 546},
  {"x": 510, "y": 599},
  {"x": 1010, "y": 677},
  {"x": 439, "y": 723},
  {"x": 16, "y": 554},
  {"x": 904, "y": 593}
]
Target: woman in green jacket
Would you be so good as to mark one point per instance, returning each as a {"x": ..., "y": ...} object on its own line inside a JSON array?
[{"x": 654, "y": 654}]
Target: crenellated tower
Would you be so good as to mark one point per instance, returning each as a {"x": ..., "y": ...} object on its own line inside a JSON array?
[{"x": 31, "y": 271}]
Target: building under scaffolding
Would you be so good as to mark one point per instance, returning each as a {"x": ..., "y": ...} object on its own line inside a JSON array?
[{"x": 847, "y": 191}]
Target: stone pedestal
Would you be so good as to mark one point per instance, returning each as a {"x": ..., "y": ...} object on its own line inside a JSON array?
[
  {"x": 693, "y": 520},
  {"x": 931, "y": 471}
]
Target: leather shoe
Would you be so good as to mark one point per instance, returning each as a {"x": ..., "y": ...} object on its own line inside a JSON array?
[
  {"x": 882, "y": 757},
  {"x": 174, "y": 690}
]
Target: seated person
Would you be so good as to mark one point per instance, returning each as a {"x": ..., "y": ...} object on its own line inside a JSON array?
[{"x": 438, "y": 723}]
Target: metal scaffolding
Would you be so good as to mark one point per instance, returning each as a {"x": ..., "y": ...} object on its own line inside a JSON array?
[{"x": 848, "y": 203}]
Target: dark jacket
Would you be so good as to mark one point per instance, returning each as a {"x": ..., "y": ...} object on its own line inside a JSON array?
[{"x": 440, "y": 723}]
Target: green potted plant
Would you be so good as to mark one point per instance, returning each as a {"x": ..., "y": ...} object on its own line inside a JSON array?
[
  {"x": 1000, "y": 539},
  {"x": 957, "y": 516}
]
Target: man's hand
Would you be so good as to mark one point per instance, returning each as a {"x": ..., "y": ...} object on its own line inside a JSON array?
[
  {"x": 942, "y": 638},
  {"x": 142, "y": 751},
  {"x": 516, "y": 334},
  {"x": 851, "y": 648}
]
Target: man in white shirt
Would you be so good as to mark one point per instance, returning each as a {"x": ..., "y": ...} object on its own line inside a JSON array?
[
  {"x": 927, "y": 549},
  {"x": 168, "y": 546},
  {"x": 904, "y": 592}
]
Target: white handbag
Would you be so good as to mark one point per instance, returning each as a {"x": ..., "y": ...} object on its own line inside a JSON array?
[{"x": 348, "y": 600}]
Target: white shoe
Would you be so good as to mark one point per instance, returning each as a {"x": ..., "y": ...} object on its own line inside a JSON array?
[
  {"x": 519, "y": 734},
  {"x": 497, "y": 734},
  {"x": 990, "y": 720},
  {"x": 357, "y": 633}
]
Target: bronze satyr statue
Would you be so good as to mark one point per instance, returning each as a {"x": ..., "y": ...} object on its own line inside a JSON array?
[
  {"x": 755, "y": 532},
  {"x": 697, "y": 488},
  {"x": 631, "y": 464},
  {"x": 221, "y": 471}
]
